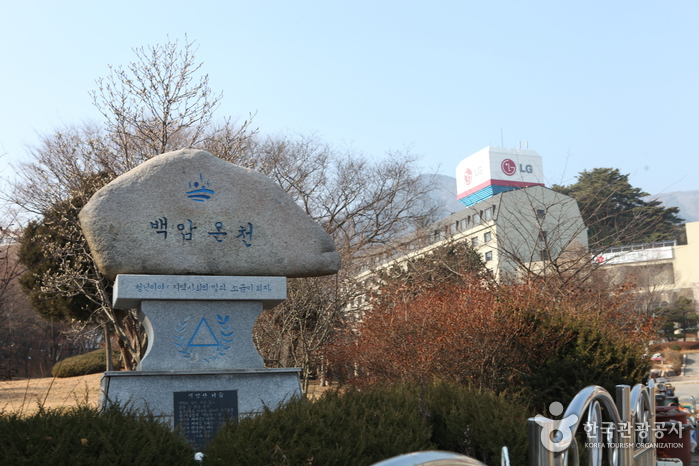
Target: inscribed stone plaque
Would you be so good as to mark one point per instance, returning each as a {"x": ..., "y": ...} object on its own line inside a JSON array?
[
  {"x": 190, "y": 213},
  {"x": 199, "y": 415},
  {"x": 130, "y": 290}
]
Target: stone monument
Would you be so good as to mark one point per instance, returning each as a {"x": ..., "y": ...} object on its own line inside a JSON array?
[{"x": 200, "y": 246}]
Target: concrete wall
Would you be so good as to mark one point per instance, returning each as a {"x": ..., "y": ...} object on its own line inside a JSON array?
[{"x": 686, "y": 260}]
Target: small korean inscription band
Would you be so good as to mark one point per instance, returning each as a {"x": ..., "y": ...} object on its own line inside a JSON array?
[{"x": 130, "y": 290}]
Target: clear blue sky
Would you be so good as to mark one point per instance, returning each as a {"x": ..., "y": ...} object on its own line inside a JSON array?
[{"x": 587, "y": 83}]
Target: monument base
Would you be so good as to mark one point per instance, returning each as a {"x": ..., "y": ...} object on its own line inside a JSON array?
[{"x": 155, "y": 390}]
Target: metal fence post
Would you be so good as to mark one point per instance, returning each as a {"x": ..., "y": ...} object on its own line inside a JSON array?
[
  {"x": 538, "y": 454},
  {"x": 623, "y": 404}
]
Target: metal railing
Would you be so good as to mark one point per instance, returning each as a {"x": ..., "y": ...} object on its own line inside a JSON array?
[
  {"x": 617, "y": 432},
  {"x": 623, "y": 431},
  {"x": 641, "y": 246}
]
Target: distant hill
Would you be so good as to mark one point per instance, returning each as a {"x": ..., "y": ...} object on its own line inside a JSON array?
[
  {"x": 444, "y": 194},
  {"x": 687, "y": 201}
]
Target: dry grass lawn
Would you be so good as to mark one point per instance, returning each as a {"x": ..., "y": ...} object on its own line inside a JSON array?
[{"x": 25, "y": 396}]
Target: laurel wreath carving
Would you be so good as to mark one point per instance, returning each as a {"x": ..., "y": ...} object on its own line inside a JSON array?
[{"x": 179, "y": 337}]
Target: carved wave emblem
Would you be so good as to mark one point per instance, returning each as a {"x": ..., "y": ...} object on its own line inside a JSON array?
[{"x": 199, "y": 190}]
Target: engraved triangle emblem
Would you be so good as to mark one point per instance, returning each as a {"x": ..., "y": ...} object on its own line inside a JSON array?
[{"x": 203, "y": 336}]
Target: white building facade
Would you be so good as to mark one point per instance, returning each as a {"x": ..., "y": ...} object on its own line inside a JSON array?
[
  {"x": 516, "y": 228},
  {"x": 662, "y": 271},
  {"x": 519, "y": 226}
]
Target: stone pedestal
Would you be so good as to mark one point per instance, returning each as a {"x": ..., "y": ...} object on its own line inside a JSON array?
[
  {"x": 227, "y": 238},
  {"x": 200, "y": 344},
  {"x": 200, "y": 335},
  {"x": 153, "y": 390}
]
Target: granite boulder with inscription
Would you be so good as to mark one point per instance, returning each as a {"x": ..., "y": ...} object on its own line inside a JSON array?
[{"x": 190, "y": 213}]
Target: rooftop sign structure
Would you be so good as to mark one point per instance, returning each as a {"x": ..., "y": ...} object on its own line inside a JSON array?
[{"x": 495, "y": 170}]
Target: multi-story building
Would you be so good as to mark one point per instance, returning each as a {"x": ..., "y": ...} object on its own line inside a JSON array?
[
  {"x": 662, "y": 271},
  {"x": 518, "y": 225},
  {"x": 509, "y": 217},
  {"x": 514, "y": 229}
]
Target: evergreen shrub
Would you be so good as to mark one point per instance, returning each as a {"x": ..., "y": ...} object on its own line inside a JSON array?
[
  {"x": 83, "y": 364},
  {"x": 84, "y": 435},
  {"x": 361, "y": 427},
  {"x": 477, "y": 423},
  {"x": 351, "y": 427},
  {"x": 589, "y": 358}
]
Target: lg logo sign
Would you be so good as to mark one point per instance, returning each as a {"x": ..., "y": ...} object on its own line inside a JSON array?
[
  {"x": 509, "y": 168},
  {"x": 469, "y": 174}
]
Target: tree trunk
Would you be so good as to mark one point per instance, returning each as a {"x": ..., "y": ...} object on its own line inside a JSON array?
[
  {"x": 285, "y": 351},
  {"x": 108, "y": 348},
  {"x": 126, "y": 356}
]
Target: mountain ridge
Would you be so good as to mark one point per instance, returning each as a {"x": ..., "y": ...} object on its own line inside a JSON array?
[{"x": 443, "y": 194}]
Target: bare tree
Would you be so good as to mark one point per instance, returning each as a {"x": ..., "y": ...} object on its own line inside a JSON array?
[
  {"x": 654, "y": 282},
  {"x": 159, "y": 102},
  {"x": 156, "y": 104},
  {"x": 292, "y": 333},
  {"x": 522, "y": 233},
  {"x": 364, "y": 205},
  {"x": 29, "y": 345},
  {"x": 540, "y": 232}
]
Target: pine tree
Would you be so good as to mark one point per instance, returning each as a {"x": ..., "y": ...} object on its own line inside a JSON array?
[{"x": 617, "y": 213}]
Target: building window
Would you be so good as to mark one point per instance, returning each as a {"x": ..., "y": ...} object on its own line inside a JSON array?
[
  {"x": 489, "y": 256},
  {"x": 544, "y": 255},
  {"x": 474, "y": 241},
  {"x": 488, "y": 214},
  {"x": 458, "y": 224},
  {"x": 542, "y": 236},
  {"x": 487, "y": 237},
  {"x": 476, "y": 219},
  {"x": 540, "y": 214}
]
